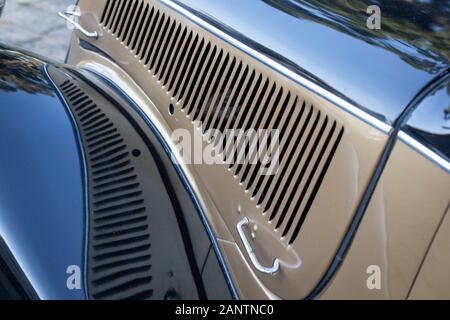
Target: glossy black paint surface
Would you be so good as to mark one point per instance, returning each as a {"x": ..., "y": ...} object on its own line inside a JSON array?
[
  {"x": 41, "y": 179},
  {"x": 43, "y": 190},
  {"x": 430, "y": 122},
  {"x": 380, "y": 71}
]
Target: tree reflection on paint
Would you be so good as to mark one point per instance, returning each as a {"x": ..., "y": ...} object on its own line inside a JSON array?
[
  {"x": 22, "y": 73},
  {"x": 417, "y": 31}
]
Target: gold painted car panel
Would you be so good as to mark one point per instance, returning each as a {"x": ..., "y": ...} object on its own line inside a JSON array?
[
  {"x": 394, "y": 233},
  {"x": 398, "y": 227},
  {"x": 433, "y": 280}
]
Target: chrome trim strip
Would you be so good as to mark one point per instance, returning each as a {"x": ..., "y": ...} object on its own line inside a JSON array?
[
  {"x": 306, "y": 83},
  {"x": 83, "y": 164},
  {"x": 424, "y": 150}
]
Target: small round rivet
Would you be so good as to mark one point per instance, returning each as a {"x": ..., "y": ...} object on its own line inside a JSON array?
[{"x": 136, "y": 153}]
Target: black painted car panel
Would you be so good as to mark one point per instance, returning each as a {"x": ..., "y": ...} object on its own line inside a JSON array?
[
  {"x": 380, "y": 71},
  {"x": 49, "y": 204}
]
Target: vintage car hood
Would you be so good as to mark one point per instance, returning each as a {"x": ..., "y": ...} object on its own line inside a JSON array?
[
  {"x": 42, "y": 201},
  {"x": 379, "y": 70}
]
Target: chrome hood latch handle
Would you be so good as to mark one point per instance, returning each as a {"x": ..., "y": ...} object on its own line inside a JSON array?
[
  {"x": 258, "y": 266},
  {"x": 67, "y": 15}
]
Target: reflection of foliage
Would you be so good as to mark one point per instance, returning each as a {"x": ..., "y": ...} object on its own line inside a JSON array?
[
  {"x": 20, "y": 72},
  {"x": 416, "y": 30}
]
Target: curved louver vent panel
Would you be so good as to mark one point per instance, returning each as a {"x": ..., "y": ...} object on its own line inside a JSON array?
[
  {"x": 120, "y": 239},
  {"x": 136, "y": 246},
  {"x": 221, "y": 91}
]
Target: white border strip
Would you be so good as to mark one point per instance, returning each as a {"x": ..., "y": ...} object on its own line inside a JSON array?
[
  {"x": 425, "y": 151},
  {"x": 308, "y": 84}
]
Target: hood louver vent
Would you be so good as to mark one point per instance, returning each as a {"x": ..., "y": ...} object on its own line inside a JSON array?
[
  {"x": 136, "y": 249},
  {"x": 224, "y": 92},
  {"x": 121, "y": 257}
]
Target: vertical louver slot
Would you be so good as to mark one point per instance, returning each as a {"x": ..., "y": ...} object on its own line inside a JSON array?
[{"x": 222, "y": 91}]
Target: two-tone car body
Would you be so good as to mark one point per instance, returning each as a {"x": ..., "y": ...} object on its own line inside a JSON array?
[{"x": 358, "y": 206}]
